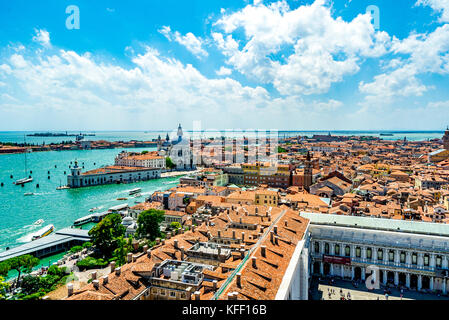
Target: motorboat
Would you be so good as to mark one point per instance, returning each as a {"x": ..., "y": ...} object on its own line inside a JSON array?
[
  {"x": 39, "y": 222},
  {"x": 134, "y": 191},
  {"x": 45, "y": 231}
]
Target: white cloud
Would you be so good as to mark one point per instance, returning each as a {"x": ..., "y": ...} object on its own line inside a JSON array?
[
  {"x": 189, "y": 41},
  {"x": 320, "y": 50},
  {"x": 223, "y": 71},
  {"x": 439, "y": 6},
  {"x": 42, "y": 37},
  {"x": 438, "y": 105}
]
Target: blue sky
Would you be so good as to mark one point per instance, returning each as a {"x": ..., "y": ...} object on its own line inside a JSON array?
[{"x": 305, "y": 65}]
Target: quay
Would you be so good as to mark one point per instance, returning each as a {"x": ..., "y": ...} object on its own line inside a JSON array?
[{"x": 60, "y": 241}]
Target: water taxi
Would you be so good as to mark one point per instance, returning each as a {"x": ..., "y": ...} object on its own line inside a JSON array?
[
  {"x": 45, "y": 231},
  {"x": 28, "y": 194},
  {"x": 39, "y": 222},
  {"x": 134, "y": 191},
  {"x": 62, "y": 187}
]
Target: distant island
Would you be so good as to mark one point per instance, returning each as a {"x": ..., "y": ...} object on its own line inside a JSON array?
[{"x": 58, "y": 134}]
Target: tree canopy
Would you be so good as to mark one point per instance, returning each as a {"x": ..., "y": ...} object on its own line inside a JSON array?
[
  {"x": 104, "y": 235},
  {"x": 169, "y": 163},
  {"x": 148, "y": 223}
]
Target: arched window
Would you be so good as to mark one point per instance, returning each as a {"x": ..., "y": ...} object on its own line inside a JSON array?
[
  {"x": 317, "y": 247},
  {"x": 347, "y": 251},
  {"x": 402, "y": 257},
  {"x": 369, "y": 253},
  {"x": 438, "y": 262},
  {"x": 414, "y": 258},
  {"x": 426, "y": 260},
  {"x": 337, "y": 249},
  {"x": 358, "y": 252},
  {"x": 380, "y": 254},
  {"x": 326, "y": 248}
]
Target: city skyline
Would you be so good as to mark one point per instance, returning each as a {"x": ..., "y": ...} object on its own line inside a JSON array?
[{"x": 290, "y": 65}]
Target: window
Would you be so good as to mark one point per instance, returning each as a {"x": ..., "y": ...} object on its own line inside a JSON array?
[
  {"x": 380, "y": 254},
  {"x": 317, "y": 247},
  {"x": 358, "y": 252},
  {"x": 326, "y": 248},
  {"x": 347, "y": 251},
  {"x": 369, "y": 253},
  {"x": 402, "y": 258},
  {"x": 337, "y": 249},
  {"x": 426, "y": 260},
  {"x": 162, "y": 292},
  {"x": 172, "y": 294},
  {"x": 439, "y": 261},
  {"x": 390, "y": 255},
  {"x": 414, "y": 258}
]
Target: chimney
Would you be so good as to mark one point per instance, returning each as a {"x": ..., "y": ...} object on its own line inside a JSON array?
[
  {"x": 129, "y": 257},
  {"x": 105, "y": 279},
  {"x": 233, "y": 234},
  {"x": 272, "y": 236},
  {"x": 175, "y": 243},
  {"x": 243, "y": 236},
  {"x": 93, "y": 275},
  {"x": 240, "y": 220},
  {"x": 193, "y": 228},
  {"x": 163, "y": 241},
  {"x": 263, "y": 251},
  {"x": 112, "y": 266},
  {"x": 230, "y": 296},
  {"x": 145, "y": 248},
  {"x": 118, "y": 271},
  {"x": 69, "y": 289},
  {"x": 276, "y": 240},
  {"x": 275, "y": 228},
  {"x": 96, "y": 284},
  {"x": 197, "y": 295},
  {"x": 234, "y": 295},
  {"x": 286, "y": 223},
  {"x": 219, "y": 233},
  {"x": 182, "y": 253},
  {"x": 254, "y": 263},
  {"x": 158, "y": 240},
  {"x": 149, "y": 253},
  {"x": 239, "y": 280},
  {"x": 134, "y": 258},
  {"x": 256, "y": 210},
  {"x": 215, "y": 285}
]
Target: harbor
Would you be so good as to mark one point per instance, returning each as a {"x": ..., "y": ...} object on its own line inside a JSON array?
[{"x": 58, "y": 207}]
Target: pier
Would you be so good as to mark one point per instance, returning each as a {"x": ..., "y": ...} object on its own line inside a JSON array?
[{"x": 60, "y": 241}]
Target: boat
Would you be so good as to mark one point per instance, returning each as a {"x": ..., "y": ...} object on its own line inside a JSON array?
[
  {"x": 38, "y": 222},
  {"x": 62, "y": 187},
  {"x": 24, "y": 180},
  {"x": 120, "y": 199},
  {"x": 45, "y": 231},
  {"x": 93, "y": 209},
  {"x": 138, "y": 195},
  {"x": 83, "y": 220},
  {"x": 28, "y": 194},
  {"x": 386, "y": 134},
  {"x": 134, "y": 191}
]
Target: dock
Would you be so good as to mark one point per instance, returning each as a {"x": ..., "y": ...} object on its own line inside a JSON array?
[{"x": 61, "y": 240}]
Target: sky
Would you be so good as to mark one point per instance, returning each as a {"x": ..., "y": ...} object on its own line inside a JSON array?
[{"x": 285, "y": 65}]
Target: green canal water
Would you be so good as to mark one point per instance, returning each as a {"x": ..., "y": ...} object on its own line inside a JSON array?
[{"x": 58, "y": 207}]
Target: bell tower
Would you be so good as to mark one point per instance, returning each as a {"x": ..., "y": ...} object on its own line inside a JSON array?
[
  {"x": 308, "y": 172},
  {"x": 446, "y": 139}
]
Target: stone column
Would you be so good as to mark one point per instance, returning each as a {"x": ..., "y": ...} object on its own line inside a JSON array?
[
  {"x": 374, "y": 255},
  {"x": 364, "y": 254},
  {"x": 444, "y": 286},
  {"x": 420, "y": 260},
  {"x": 419, "y": 282},
  {"x": 431, "y": 283},
  {"x": 397, "y": 257},
  {"x": 396, "y": 278},
  {"x": 352, "y": 251},
  {"x": 332, "y": 269},
  {"x": 321, "y": 268},
  {"x": 407, "y": 280},
  {"x": 408, "y": 258},
  {"x": 385, "y": 277},
  {"x": 342, "y": 271},
  {"x": 332, "y": 248},
  {"x": 444, "y": 262},
  {"x": 352, "y": 273},
  {"x": 363, "y": 273},
  {"x": 385, "y": 253},
  {"x": 432, "y": 262}
]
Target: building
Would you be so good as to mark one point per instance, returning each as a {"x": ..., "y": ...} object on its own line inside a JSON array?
[
  {"x": 180, "y": 150},
  {"x": 146, "y": 160},
  {"x": 269, "y": 197},
  {"x": 110, "y": 174},
  {"x": 406, "y": 253},
  {"x": 272, "y": 175},
  {"x": 308, "y": 173}
]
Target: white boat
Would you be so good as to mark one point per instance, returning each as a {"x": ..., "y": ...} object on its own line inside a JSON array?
[
  {"x": 38, "y": 222},
  {"x": 82, "y": 220},
  {"x": 134, "y": 191},
  {"x": 93, "y": 209},
  {"x": 28, "y": 194},
  {"x": 23, "y": 181},
  {"x": 62, "y": 187},
  {"x": 45, "y": 231}
]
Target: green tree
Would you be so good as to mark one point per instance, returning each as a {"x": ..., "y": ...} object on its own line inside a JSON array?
[
  {"x": 4, "y": 268},
  {"x": 23, "y": 263},
  {"x": 148, "y": 223},
  {"x": 3, "y": 287},
  {"x": 169, "y": 163},
  {"x": 144, "y": 152},
  {"x": 281, "y": 150},
  {"x": 104, "y": 235},
  {"x": 175, "y": 225}
]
